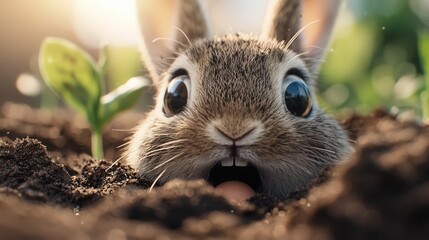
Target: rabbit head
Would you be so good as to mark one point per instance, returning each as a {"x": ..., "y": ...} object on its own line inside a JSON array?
[{"x": 238, "y": 108}]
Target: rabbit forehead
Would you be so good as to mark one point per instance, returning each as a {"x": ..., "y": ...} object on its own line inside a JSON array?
[
  {"x": 237, "y": 69},
  {"x": 237, "y": 58}
]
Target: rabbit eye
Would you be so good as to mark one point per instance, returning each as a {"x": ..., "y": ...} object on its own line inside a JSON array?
[
  {"x": 297, "y": 96},
  {"x": 176, "y": 95}
]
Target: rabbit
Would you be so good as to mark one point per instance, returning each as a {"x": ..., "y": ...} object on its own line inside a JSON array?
[{"x": 238, "y": 110}]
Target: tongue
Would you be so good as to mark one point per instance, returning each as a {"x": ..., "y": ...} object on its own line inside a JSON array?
[{"x": 235, "y": 190}]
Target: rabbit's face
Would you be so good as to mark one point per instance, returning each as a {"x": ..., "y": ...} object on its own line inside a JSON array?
[{"x": 238, "y": 109}]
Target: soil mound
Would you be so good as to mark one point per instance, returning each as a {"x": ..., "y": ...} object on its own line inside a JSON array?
[{"x": 50, "y": 188}]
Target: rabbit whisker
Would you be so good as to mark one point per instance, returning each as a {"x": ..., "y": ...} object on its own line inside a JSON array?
[
  {"x": 294, "y": 37},
  {"x": 162, "y": 134},
  {"x": 315, "y": 46},
  {"x": 184, "y": 34},
  {"x": 167, "y": 161},
  {"x": 294, "y": 57},
  {"x": 160, "y": 150},
  {"x": 115, "y": 162},
  {"x": 173, "y": 142},
  {"x": 178, "y": 53},
  {"x": 156, "y": 180},
  {"x": 123, "y": 145},
  {"x": 168, "y": 39}
]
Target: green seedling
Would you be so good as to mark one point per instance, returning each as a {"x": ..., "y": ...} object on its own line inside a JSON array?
[
  {"x": 74, "y": 75},
  {"x": 424, "y": 54}
]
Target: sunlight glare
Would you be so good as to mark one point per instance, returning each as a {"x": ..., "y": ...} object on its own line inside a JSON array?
[{"x": 100, "y": 22}]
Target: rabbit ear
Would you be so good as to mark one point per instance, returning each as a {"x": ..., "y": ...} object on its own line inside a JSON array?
[
  {"x": 283, "y": 22},
  {"x": 190, "y": 24},
  {"x": 305, "y": 25},
  {"x": 168, "y": 26}
]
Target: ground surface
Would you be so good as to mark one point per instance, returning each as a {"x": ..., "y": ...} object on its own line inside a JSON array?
[{"x": 50, "y": 188}]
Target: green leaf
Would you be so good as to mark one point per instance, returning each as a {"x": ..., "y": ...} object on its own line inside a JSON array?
[
  {"x": 102, "y": 59},
  {"x": 424, "y": 54},
  {"x": 122, "y": 97},
  {"x": 71, "y": 73},
  {"x": 103, "y": 66},
  {"x": 424, "y": 98}
]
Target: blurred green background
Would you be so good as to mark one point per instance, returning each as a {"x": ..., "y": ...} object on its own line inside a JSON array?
[{"x": 374, "y": 60}]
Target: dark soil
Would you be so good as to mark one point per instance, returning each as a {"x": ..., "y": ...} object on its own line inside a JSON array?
[{"x": 50, "y": 188}]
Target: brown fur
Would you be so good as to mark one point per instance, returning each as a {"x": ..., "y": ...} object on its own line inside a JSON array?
[{"x": 236, "y": 81}]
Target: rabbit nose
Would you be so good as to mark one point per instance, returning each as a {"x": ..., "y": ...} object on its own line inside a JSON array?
[
  {"x": 238, "y": 138},
  {"x": 230, "y": 134},
  {"x": 235, "y": 140}
]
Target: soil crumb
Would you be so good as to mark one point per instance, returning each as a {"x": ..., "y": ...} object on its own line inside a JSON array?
[
  {"x": 381, "y": 193},
  {"x": 50, "y": 188},
  {"x": 27, "y": 171}
]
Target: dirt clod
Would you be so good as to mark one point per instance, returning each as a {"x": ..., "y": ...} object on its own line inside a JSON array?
[{"x": 48, "y": 179}]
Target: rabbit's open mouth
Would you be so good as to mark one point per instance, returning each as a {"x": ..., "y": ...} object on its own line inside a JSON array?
[{"x": 235, "y": 179}]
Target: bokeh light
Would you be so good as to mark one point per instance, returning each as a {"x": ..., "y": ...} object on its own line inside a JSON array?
[{"x": 27, "y": 84}]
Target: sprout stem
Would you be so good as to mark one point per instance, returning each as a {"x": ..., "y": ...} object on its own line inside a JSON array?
[{"x": 97, "y": 143}]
